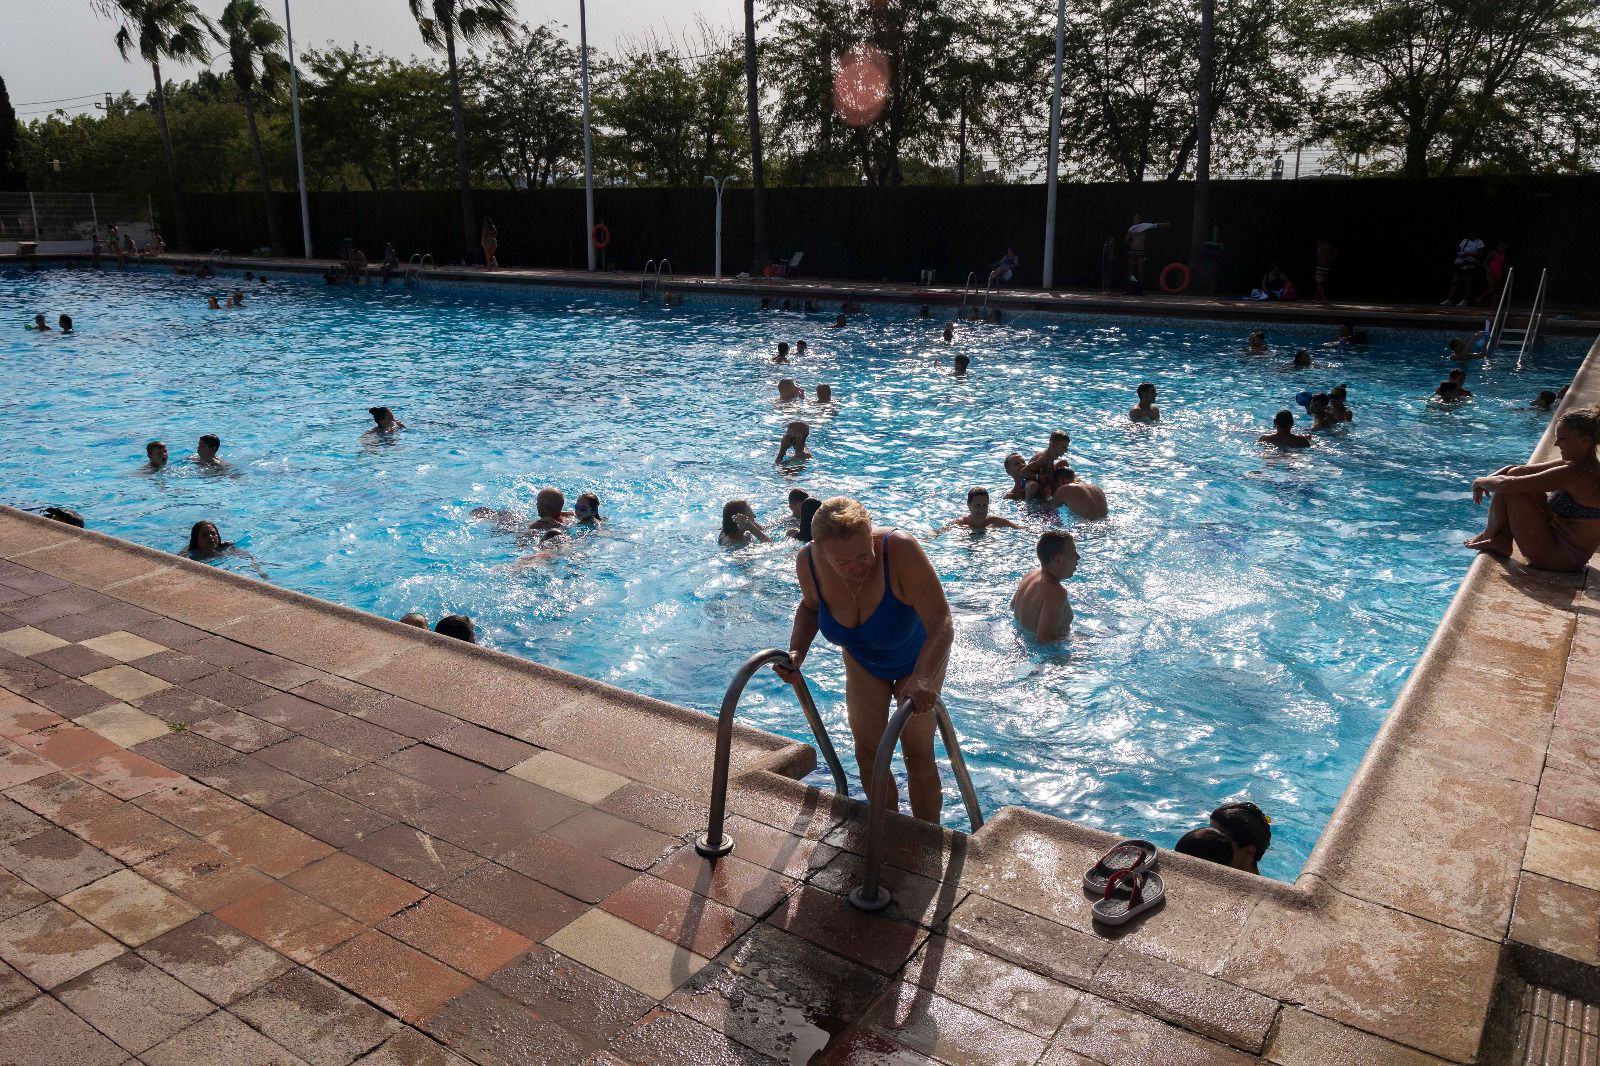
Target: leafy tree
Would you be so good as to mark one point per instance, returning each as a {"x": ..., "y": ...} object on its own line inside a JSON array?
[
  {"x": 1446, "y": 84},
  {"x": 673, "y": 115},
  {"x": 254, "y": 41},
  {"x": 527, "y": 105},
  {"x": 443, "y": 23},
  {"x": 374, "y": 120},
  {"x": 163, "y": 29},
  {"x": 12, "y": 176}
]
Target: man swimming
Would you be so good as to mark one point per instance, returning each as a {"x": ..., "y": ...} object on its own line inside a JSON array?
[
  {"x": 1146, "y": 409},
  {"x": 1040, "y": 604},
  {"x": 962, "y": 361},
  {"x": 156, "y": 453},
  {"x": 1079, "y": 497},
  {"x": 783, "y": 353},
  {"x": 978, "y": 517},
  {"x": 1283, "y": 434},
  {"x": 549, "y": 504},
  {"x": 206, "y": 452},
  {"x": 1041, "y": 463},
  {"x": 794, "y": 436},
  {"x": 384, "y": 422},
  {"x": 789, "y": 391}
]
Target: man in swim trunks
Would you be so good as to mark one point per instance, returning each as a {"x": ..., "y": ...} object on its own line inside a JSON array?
[
  {"x": 1040, "y": 604},
  {"x": 874, "y": 594},
  {"x": 1079, "y": 497},
  {"x": 1146, "y": 409},
  {"x": 1137, "y": 234},
  {"x": 978, "y": 517}
]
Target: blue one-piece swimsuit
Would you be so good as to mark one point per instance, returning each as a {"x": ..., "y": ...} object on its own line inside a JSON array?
[{"x": 887, "y": 644}]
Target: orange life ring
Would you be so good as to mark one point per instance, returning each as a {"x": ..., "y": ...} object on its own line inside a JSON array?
[
  {"x": 1182, "y": 286},
  {"x": 601, "y": 235}
]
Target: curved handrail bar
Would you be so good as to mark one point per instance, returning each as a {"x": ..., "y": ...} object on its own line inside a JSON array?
[
  {"x": 987, "y": 291},
  {"x": 714, "y": 843},
  {"x": 870, "y": 895},
  {"x": 644, "y": 278},
  {"x": 971, "y": 284}
]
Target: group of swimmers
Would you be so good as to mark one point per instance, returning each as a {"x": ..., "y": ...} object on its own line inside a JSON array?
[{"x": 40, "y": 325}]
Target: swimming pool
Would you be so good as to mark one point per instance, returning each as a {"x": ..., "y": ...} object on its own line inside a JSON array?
[{"x": 1244, "y": 618}]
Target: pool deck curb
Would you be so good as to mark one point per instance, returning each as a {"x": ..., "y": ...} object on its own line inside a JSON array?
[
  {"x": 942, "y": 298},
  {"x": 239, "y": 818}
]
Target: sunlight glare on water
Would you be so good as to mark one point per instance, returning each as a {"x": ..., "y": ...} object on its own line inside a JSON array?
[{"x": 1244, "y": 617}]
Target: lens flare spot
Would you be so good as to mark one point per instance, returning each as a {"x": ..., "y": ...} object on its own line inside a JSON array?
[{"x": 861, "y": 87}]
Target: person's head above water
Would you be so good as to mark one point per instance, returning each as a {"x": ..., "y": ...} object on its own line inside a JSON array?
[
  {"x": 799, "y": 347},
  {"x": 1057, "y": 553},
  {"x": 65, "y": 322},
  {"x": 1283, "y": 422},
  {"x": 1060, "y": 440},
  {"x": 415, "y": 618},
  {"x": 586, "y": 508},
  {"x": 783, "y": 349},
  {"x": 1250, "y": 830},
  {"x": 549, "y": 502},
  {"x": 788, "y": 390},
  {"x": 949, "y": 330},
  {"x": 1457, "y": 375},
  {"x": 1208, "y": 843},
  {"x": 204, "y": 539},
  {"x": 978, "y": 501},
  {"x": 1257, "y": 339},
  {"x": 156, "y": 452},
  {"x": 458, "y": 626},
  {"x": 208, "y": 446},
  {"x": 824, "y": 393},
  {"x": 40, "y": 324},
  {"x": 1146, "y": 392},
  {"x": 1062, "y": 474},
  {"x": 382, "y": 417},
  {"x": 211, "y": 303},
  {"x": 1319, "y": 403},
  {"x": 796, "y": 498},
  {"x": 797, "y": 432},
  {"x": 962, "y": 361},
  {"x": 808, "y": 513},
  {"x": 731, "y": 511},
  {"x": 1545, "y": 400},
  {"x": 1302, "y": 357}
]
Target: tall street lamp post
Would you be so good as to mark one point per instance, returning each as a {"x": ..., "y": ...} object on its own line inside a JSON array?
[{"x": 299, "y": 152}]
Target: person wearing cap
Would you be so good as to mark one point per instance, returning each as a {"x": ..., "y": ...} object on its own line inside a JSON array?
[{"x": 1249, "y": 828}]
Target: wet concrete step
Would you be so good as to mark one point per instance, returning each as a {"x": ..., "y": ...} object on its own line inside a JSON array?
[{"x": 1555, "y": 1028}]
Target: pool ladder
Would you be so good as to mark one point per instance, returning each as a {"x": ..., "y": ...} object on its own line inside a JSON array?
[
  {"x": 653, "y": 269},
  {"x": 870, "y": 895},
  {"x": 970, "y": 288},
  {"x": 416, "y": 265}
]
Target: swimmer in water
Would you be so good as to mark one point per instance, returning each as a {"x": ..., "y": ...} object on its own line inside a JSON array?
[
  {"x": 739, "y": 525},
  {"x": 415, "y": 619},
  {"x": 1021, "y": 487},
  {"x": 799, "y": 349},
  {"x": 1146, "y": 409},
  {"x": 977, "y": 517},
  {"x": 40, "y": 325},
  {"x": 1461, "y": 350},
  {"x": 1321, "y": 411},
  {"x": 459, "y": 625},
  {"x": 65, "y": 323},
  {"x": 384, "y": 420},
  {"x": 794, "y": 436},
  {"x": 962, "y": 361},
  {"x": 1040, "y": 604},
  {"x": 797, "y": 499},
  {"x": 156, "y": 454},
  {"x": 783, "y": 353},
  {"x": 1283, "y": 434},
  {"x": 586, "y": 509},
  {"x": 237, "y": 299},
  {"x": 949, "y": 332},
  {"x": 824, "y": 393},
  {"x": 1302, "y": 359},
  {"x": 1337, "y": 406},
  {"x": 1079, "y": 497},
  {"x": 1039, "y": 466},
  {"x": 838, "y": 323},
  {"x": 1257, "y": 342},
  {"x": 206, "y": 452},
  {"x": 1545, "y": 401},
  {"x": 206, "y": 543},
  {"x": 550, "y": 503},
  {"x": 788, "y": 391},
  {"x": 212, "y": 305}
]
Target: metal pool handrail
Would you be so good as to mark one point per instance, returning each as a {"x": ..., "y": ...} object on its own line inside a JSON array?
[
  {"x": 971, "y": 287},
  {"x": 870, "y": 895},
  {"x": 644, "y": 278},
  {"x": 714, "y": 843}
]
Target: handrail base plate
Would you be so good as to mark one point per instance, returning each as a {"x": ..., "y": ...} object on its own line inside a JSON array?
[
  {"x": 709, "y": 850},
  {"x": 871, "y": 904}
]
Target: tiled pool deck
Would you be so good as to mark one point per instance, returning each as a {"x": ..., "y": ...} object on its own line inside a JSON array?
[{"x": 244, "y": 826}]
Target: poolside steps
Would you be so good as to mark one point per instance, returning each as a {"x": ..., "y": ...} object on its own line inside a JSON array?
[{"x": 1549, "y": 1019}]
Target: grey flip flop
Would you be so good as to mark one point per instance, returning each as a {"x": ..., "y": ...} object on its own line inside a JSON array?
[
  {"x": 1128, "y": 895},
  {"x": 1135, "y": 856}
]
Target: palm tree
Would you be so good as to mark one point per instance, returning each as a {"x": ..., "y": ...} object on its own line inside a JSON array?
[
  {"x": 163, "y": 29},
  {"x": 254, "y": 38},
  {"x": 758, "y": 181},
  {"x": 442, "y": 23}
]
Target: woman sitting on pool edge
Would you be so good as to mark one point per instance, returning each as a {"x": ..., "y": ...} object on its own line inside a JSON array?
[
  {"x": 1560, "y": 531},
  {"x": 874, "y": 593},
  {"x": 206, "y": 543}
]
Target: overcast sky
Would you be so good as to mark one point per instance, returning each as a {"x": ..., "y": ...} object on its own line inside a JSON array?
[{"x": 56, "y": 49}]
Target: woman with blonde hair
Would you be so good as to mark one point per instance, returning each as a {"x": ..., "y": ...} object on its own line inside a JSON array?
[
  {"x": 874, "y": 593},
  {"x": 1559, "y": 531}
]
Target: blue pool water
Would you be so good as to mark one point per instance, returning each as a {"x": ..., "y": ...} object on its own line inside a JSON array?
[{"x": 1245, "y": 618}]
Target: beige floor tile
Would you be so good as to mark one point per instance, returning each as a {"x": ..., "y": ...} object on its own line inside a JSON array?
[
  {"x": 623, "y": 951},
  {"x": 1305, "y": 1039},
  {"x": 124, "y": 647},
  {"x": 568, "y": 776},
  {"x": 124, "y": 725},
  {"x": 129, "y": 907},
  {"x": 1564, "y": 851},
  {"x": 124, "y": 682},
  {"x": 29, "y": 641}
]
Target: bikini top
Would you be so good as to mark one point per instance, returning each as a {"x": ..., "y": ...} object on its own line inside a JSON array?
[
  {"x": 888, "y": 641},
  {"x": 1563, "y": 505}
]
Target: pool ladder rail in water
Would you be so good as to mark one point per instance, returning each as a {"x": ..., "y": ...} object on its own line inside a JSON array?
[{"x": 870, "y": 895}]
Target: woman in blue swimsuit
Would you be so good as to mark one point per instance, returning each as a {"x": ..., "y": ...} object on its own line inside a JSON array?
[
  {"x": 1560, "y": 531},
  {"x": 874, "y": 593}
]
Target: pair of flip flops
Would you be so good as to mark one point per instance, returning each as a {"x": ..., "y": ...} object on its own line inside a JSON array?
[{"x": 1126, "y": 882}]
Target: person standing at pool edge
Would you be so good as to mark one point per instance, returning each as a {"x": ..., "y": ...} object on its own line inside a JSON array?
[
  {"x": 894, "y": 632},
  {"x": 490, "y": 239}
]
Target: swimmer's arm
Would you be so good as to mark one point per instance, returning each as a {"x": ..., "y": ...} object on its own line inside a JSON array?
[
  {"x": 1050, "y": 601},
  {"x": 915, "y": 582},
  {"x": 254, "y": 563},
  {"x": 996, "y": 522},
  {"x": 804, "y": 629}
]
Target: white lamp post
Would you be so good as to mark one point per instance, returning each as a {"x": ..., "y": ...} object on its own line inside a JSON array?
[
  {"x": 299, "y": 154},
  {"x": 1055, "y": 151},
  {"x": 719, "y": 186},
  {"x": 588, "y": 146}
]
